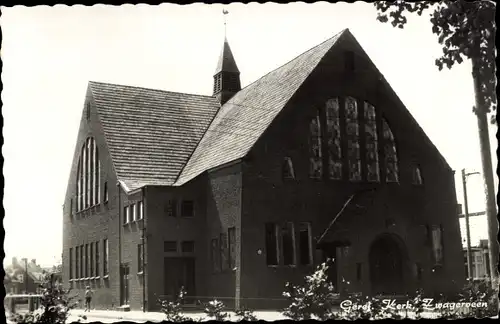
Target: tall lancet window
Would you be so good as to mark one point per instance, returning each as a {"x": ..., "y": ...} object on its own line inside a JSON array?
[
  {"x": 88, "y": 182},
  {"x": 391, "y": 154},
  {"x": 316, "y": 163},
  {"x": 352, "y": 132},
  {"x": 333, "y": 137},
  {"x": 372, "y": 164}
]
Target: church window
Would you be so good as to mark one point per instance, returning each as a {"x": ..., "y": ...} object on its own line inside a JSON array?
[
  {"x": 316, "y": 163},
  {"x": 288, "y": 244},
  {"x": 437, "y": 244},
  {"x": 417, "y": 175},
  {"x": 391, "y": 156},
  {"x": 371, "y": 142},
  {"x": 352, "y": 132},
  {"x": 334, "y": 138},
  {"x": 88, "y": 176},
  {"x": 271, "y": 232},
  {"x": 288, "y": 172}
]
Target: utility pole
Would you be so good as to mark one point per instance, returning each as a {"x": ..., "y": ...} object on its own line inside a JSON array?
[
  {"x": 470, "y": 274},
  {"x": 26, "y": 276},
  {"x": 489, "y": 184}
]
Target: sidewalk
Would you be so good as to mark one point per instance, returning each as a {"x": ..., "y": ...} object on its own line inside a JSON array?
[{"x": 158, "y": 316}]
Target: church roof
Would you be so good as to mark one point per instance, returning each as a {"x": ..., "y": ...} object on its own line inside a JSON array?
[
  {"x": 150, "y": 133},
  {"x": 226, "y": 60},
  {"x": 242, "y": 120}
]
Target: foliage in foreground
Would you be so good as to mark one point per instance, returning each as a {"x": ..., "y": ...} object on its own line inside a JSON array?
[{"x": 55, "y": 305}]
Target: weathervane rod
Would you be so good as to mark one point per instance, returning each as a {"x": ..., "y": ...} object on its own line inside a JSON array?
[{"x": 224, "y": 12}]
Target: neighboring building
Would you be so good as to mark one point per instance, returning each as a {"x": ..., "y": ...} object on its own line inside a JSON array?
[
  {"x": 480, "y": 261},
  {"x": 23, "y": 277},
  {"x": 235, "y": 194}
]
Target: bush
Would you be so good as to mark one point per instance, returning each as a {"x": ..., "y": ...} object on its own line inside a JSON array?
[
  {"x": 55, "y": 302},
  {"x": 246, "y": 315},
  {"x": 215, "y": 310},
  {"x": 314, "y": 299},
  {"x": 173, "y": 309}
]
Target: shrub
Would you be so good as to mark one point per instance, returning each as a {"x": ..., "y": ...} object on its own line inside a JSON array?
[
  {"x": 215, "y": 310},
  {"x": 314, "y": 299},
  {"x": 55, "y": 302},
  {"x": 173, "y": 309},
  {"x": 246, "y": 315}
]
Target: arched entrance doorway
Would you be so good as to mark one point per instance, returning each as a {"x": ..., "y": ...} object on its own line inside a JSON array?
[{"x": 386, "y": 259}]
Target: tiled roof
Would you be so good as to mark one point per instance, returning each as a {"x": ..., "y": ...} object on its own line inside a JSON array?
[
  {"x": 242, "y": 120},
  {"x": 151, "y": 133}
]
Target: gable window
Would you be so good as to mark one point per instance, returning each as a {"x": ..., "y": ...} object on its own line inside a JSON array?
[
  {"x": 352, "y": 132},
  {"x": 305, "y": 246},
  {"x": 288, "y": 172},
  {"x": 126, "y": 214},
  {"x": 215, "y": 256},
  {"x": 271, "y": 232},
  {"x": 170, "y": 246},
  {"x": 437, "y": 244},
  {"x": 231, "y": 233},
  {"x": 171, "y": 208},
  {"x": 288, "y": 244},
  {"x": 316, "y": 163},
  {"x": 391, "y": 155},
  {"x": 187, "y": 208},
  {"x": 333, "y": 137},
  {"x": 416, "y": 175},
  {"x": 88, "y": 176},
  {"x": 372, "y": 164},
  {"x": 349, "y": 60}
]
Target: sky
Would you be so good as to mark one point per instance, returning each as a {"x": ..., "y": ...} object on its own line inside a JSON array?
[{"x": 50, "y": 54}]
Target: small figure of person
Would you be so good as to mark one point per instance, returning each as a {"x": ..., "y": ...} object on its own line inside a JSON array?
[{"x": 88, "y": 298}]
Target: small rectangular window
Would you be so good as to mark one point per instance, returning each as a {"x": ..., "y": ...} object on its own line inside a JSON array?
[
  {"x": 305, "y": 248},
  {"x": 125, "y": 214},
  {"x": 70, "y": 263},
  {"x": 91, "y": 261},
  {"x": 215, "y": 255},
  {"x": 140, "y": 258},
  {"x": 271, "y": 244},
  {"x": 187, "y": 208},
  {"x": 140, "y": 210},
  {"x": 133, "y": 208},
  {"x": 86, "y": 260},
  {"x": 106, "y": 196},
  {"x": 171, "y": 208},
  {"x": 170, "y": 246},
  {"x": 224, "y": 255},
  {"x": 187, "y": 246},
  {"x": 105, "y": 270},
  {"x": 97, "y": 259},
  {"x": 77, "y": 262}
]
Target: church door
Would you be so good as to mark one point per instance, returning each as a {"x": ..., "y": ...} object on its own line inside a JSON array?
[{"x": 386, "y": 266}]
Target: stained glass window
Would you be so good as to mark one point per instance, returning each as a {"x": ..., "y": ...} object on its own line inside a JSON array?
[
  {"x": 372, "y": 165},
  {"x": 333, "y": 137},
  {"x": 316, "y": 164},
  {"x": 391, "y": 155},
  {"x": 352, "y": 132}
]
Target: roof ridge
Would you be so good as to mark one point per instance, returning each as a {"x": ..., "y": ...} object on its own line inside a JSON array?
[
  {"x": 296, "y": 57},
  {"x": 152, "y": 89}
]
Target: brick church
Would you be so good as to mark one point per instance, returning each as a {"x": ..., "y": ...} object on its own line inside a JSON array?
[{"x": 233, "y": 194}]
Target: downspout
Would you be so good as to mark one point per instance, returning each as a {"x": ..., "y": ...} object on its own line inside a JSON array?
[
  {"x": 119, "y": 238},
  {"x": 144, "y": 213}
]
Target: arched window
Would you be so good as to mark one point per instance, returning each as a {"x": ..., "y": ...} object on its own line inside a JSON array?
[
  {"x": 316, "y": 163},
  {"x": 352, "y": 132},
  {"x": 288, "y": 172},
  {"x": 88, "y": 187},
  {"x": 391, "y": 155},
  {"x": 333, "y": 137},
  {"x": 372, "y": 165},
  {"x": 417, "y": 175}
]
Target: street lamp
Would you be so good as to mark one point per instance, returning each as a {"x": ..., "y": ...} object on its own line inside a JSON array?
[{"x": 467, "y": 227}]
